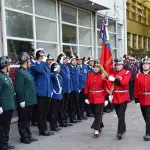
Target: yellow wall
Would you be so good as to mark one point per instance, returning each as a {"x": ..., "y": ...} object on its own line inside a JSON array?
[{"x": 138, "y": 28}]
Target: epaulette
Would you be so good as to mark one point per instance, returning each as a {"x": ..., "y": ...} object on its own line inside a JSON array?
[
  {"x": 137, "y": 75},
  {"x": 127, "y": 72}
]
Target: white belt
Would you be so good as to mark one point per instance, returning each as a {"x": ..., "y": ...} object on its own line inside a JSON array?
[
  {"x": 97, "y": 91},
  {"x": 146, "y": 93},
  {"x": 121, "y": 91}
]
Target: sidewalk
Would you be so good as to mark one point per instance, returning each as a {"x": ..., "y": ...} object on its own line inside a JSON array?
[{"x": 80, "y": 136}]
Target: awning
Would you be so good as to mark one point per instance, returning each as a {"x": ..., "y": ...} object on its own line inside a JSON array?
[{"x": 86, "y": 4}]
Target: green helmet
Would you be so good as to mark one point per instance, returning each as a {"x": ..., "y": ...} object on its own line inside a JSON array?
[
  {"x": 23, "y": 57},
  {"x": 4, "y": 62}
]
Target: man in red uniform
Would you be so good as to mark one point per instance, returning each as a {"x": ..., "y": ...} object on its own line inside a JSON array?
[
  {"x": 120, "y": 79},
  {"x": 95, "y": 96},
  {"x": 142, "y": 94}
]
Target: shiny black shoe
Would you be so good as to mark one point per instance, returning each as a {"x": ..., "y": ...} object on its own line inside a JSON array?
[
  {"x": 80, "y": 118},
  {"x": 4, "y": 148},
  {"x": 25, "y": 141},
  {"x": 10, "y": 146},
  {"x": 146, "y": 138},
  {"x": 119, "y": 136},
  {"x": 45, "y": 133},
  {"x": 73, "y": 121},
  {"x": 56, "y": 129},
  {"x": 63, "y": 125},
  {"x": 33, "y": 139},
  {"x": 69, "y": 124},
  {"x": 85, "y": 118},
  {"x": 51, "y": 133}
]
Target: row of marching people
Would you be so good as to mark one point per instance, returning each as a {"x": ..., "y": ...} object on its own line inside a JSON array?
[
  {"x": 45, "y": 90},
  {"x": 116, "y": 84}
]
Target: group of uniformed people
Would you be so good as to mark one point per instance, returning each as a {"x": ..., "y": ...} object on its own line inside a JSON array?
[
  {"x": 60, "y": 91},
  {"x": 44, "y": 90}
]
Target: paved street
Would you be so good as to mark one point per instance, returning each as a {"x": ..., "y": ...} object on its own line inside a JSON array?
[{"x": 80, "y": 137}]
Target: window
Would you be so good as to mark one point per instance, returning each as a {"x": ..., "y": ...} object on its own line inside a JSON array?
[
  {"x": 149, "y": 44},
  {"x": 112, "y": 38},
  {"x": 145, "y": 42},
  {"x": 112, "y": 26},
  {"x": 69, "y": 14},
  {"x": 140, "y": 42},
  {"x": 69, "y": 50},
  {"x": 49, "y": 48},
  {"x": 46, "y": 8},
  {"x": 22, "y": 31},
  {"x": 69, "y": 34},
  {"x": 76, "y": 30},
  {"x": 84, "y": 18},
  {"x": 19, "y": 25},
  {"x": 134, "y": 40},
  {"x": 16, "y": 47},
  {"x": 128, "y": 39},
  {"x": 23, "y": 5},
  {"x": 84, "y": 36},
  {"x": 46, "y": 30}
]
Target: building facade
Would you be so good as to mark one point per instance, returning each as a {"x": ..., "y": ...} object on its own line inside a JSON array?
[
  {"x": 138, "y": 25},
  {"x": 61, "y": 25}
]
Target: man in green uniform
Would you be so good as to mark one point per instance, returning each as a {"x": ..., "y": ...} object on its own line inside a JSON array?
[
  {"x": 7, "y": 103},
  {"x": 26, "y": 98}
]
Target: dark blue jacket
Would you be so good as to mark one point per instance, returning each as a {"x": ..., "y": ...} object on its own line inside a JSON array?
[
  {"x": 89, "y": 69},
  {"x": 65, "y": 73},
  {"x": 42, "y": 79},
  {"x": 83, "y": 75},
  {"x": 75, "y": 75},
  {"x": 57, "y": 83},
  {"x": 33, "y": 63}
]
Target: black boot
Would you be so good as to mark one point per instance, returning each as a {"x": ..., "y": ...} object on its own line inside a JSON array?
[
  {"x": 146, "y": 138},
  {"x": 119, "y": 136}
]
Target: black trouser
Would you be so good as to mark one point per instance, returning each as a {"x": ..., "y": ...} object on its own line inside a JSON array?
[
  {"x": 53, "y": 116},
  {"x": 146, "y": 115},
  {"x": 34, "y": 114},
  {"x": 97, "y": 110},
  {"x": 131, "y": 89},
  {"x": 74, "y": 105},
  {"x": 43, "y": 110},
  {"x": 120, "y": 111},
  {"x": 24, "y": 115},
  {"x": 82, "y": 102},
  {"x": 5, "y": 119},
  {"x": 65, "y": 111}
]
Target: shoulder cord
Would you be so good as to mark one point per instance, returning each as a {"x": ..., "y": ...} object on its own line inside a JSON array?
[{"x": 60, "y": 89}]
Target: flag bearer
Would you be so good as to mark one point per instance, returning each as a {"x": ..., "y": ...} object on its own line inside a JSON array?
[
  {"x": 121, "y": 79},
  {"x": 26, "y": 98},
  {"x": 142, "y": 94},
  {"x": 7, "y": 103}
]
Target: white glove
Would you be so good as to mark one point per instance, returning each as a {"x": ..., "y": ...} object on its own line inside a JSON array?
[
  {"x": 110, "y": 98},
  {"x": 56, "y": 69},
  {"x": 61, "y": 60},
  {"x": 44, "y": 59},
  {"x": 22, "y": 104},
  {"x": 79, "y": 91},
  {"x": 111, "y": 78},
  {"x": 87, "y": 101},
  {"x": 1, "y": 110},
  {"x": 138, "y": 104},
  {"x": 106, "y": 103}
]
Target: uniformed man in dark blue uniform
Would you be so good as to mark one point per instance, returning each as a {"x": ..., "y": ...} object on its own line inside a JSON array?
[
  {"x": 7, "y": 103},
  {"x": 57, "y": 82},
  {"x": 26, "y": 98},
  {"x": 74, "y": 110},
  {"x": 65, "y": 73},
  {"x": 44, "y": 91},
  {"x": 83, "y": 76}
]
